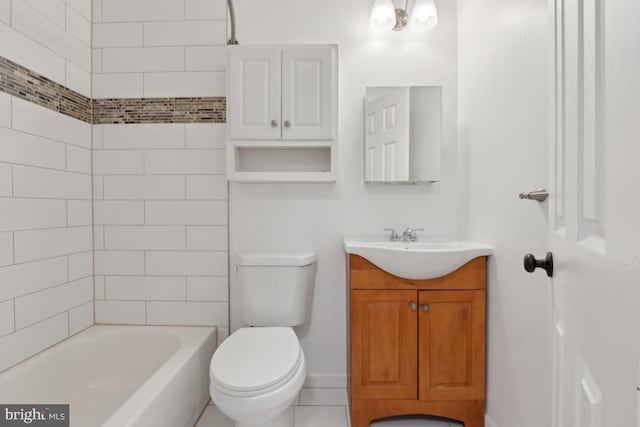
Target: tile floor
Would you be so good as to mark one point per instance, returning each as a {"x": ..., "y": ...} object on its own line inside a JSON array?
[{"x": 321, "y": 407}]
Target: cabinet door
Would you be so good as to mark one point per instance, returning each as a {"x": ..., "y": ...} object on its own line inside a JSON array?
[
  {"x": 309, "y": 93},
  {"x": 452, "y": 345},
  {"x": 384, "y": 344},
  {"x": 255, "y": 93}
]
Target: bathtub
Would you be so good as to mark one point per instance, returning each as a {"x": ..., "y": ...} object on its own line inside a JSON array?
[{"x": 120, "y": 376}]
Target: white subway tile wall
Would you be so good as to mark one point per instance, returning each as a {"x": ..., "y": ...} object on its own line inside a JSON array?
[
  {"x": 126, "y": 34},
  {"x": 50, "y": 37},
  {"x": 160, "y": 209},
  {"x": 142, "y": 10},
  {"x": 159, "y": 48},
  {"x": 46, "y": 262},
  {"x": 80, "y": 317},
  {"x": 37, "y": 26},
  {"x": 5, "y": 11},
  {"x": 48, "y": 124},
  {"x": 161, "y": 224},
  {"x": 142, "y": 59},
  {"x": 152, "y": 218},
  {"x": 26, "y": 342},
  {"x": 125, "y": 85},
  {"x": 200, "y": 83}
]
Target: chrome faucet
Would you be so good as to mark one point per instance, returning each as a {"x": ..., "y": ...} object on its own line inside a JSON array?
[
  {"x": 409, "y": 235},
  {"x": 394, "y": 235}
]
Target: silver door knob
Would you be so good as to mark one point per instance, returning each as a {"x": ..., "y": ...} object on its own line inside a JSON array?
[
  {"x": 425, "y": 308},
  {"x": 413, "y": 306},
  {"x": 287, "y": 124},
  {"x": 274, "y": 123}
]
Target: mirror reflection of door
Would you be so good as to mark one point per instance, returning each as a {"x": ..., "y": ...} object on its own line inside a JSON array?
[
  {"x": 387, "y": 135},
  {"x": 403, "y": 134}
]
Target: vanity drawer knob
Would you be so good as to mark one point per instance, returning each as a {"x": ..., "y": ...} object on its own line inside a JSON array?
[
  {"x": 274, "y": 123},
  {"x": 425, "y": 308},
  {"x": 413, "y": 306}
]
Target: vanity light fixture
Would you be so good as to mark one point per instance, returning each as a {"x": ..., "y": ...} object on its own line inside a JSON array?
[{"x": 385, "y": 16}]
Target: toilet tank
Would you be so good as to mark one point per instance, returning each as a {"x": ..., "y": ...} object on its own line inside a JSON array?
[{"x": 276, "y": 288}]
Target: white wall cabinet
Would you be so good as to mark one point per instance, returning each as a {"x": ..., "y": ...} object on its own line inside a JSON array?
[
  {"x": 284, "y": 99},
  {"x": 255, "y": 93},
  {"x": 308, "y": 104}
]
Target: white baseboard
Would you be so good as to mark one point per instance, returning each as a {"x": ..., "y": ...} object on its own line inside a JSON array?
[{"x": 325, "y": 381}]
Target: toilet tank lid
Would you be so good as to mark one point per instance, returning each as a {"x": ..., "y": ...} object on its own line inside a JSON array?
[{"x": 289, "y": 259}]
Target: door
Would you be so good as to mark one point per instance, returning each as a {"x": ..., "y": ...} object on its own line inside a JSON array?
[
  {"x": 451, "y": 345},
  {"x": 384, "y": 341},
  {"x": 591, "y": 227},
  {"x": 308, "y": 91},
  {"x": 254, "y": 93}
]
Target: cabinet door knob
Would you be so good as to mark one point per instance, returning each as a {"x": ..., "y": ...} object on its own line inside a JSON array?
[
  {"x": 425, "y": 307},
  {"x": 274, "y": 123},
  {"x": 287, "y": 124},
  {"x": 413, "y": 306}
]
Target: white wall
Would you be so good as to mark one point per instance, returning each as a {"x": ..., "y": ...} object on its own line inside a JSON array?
[
  {"x": 503, "y": 62},
  {"x": 174, "y": 49},
  {"x": 426, "y": 133},
  {"x": 315, "y": 217},
  {"x": 51, "y": 37},
  {"x": 622, "y": 126}
]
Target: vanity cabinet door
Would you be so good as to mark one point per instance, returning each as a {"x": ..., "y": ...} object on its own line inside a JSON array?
[
  {"x": 384, "y": 340},
  {"x": 452, "y": 345},
  {"x": 255, "y": 93},
  {"x": 308, "y": 80}
]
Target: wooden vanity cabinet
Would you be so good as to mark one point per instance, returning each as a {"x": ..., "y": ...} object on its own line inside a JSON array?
[
  {"x": 416, "y": 346},
  {"x": 384, "y": 345}
]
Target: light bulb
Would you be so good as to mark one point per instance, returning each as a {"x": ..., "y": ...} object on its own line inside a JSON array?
[
  {"x": 383, "y": 15},
  {"x": 424, "y": 16}
]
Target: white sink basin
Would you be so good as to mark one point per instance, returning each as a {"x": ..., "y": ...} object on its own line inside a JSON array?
[{"x": 417, "y": 260}]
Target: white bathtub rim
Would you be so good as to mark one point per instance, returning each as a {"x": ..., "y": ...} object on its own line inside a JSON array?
[
  {"x": 135, "y": 405},
  {"x": 96, "y": 331},
  {"x": 190, "y": 342}
]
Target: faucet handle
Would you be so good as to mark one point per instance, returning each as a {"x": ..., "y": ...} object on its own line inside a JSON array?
[
  {"x": 410, "y": 234},
  {"x": 394, "y": 234}
]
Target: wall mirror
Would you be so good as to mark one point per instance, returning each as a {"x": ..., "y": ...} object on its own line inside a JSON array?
[{"x": 403, "y": 134}]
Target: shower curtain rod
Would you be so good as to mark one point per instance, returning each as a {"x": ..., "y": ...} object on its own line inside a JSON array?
[{"x": 232, "y": 15}]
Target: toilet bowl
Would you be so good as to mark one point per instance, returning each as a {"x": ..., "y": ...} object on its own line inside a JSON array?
[{"x": 256, "y": 375}]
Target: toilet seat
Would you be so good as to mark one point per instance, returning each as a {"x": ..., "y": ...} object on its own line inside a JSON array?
[{"x": 254, "y": 361}]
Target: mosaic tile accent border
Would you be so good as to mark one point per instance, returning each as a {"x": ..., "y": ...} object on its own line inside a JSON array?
[
  {"x": 23, "y": 83},
  {"x": 160, "y": 110}
]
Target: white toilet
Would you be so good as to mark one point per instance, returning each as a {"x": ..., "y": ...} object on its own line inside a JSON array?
[{"x": 258, "y": 371}]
